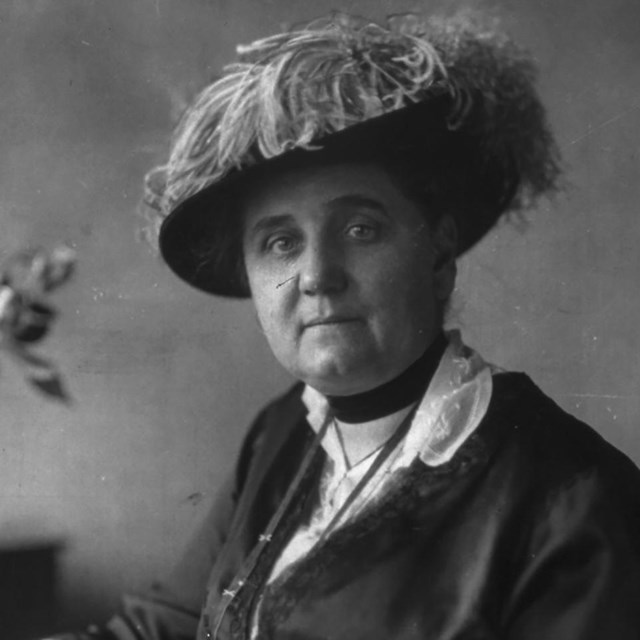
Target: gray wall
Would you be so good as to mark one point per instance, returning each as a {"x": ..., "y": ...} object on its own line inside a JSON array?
[{"x": 165, "y": 379}]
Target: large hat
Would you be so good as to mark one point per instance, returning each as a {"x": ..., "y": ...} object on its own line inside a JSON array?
[{"x": 451, "y": 101}]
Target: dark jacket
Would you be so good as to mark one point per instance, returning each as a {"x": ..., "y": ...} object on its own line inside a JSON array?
[{"x": 530, "y": 532}]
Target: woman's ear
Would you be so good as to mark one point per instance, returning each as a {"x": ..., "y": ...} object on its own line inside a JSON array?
[{"x": 445, "y": 242}]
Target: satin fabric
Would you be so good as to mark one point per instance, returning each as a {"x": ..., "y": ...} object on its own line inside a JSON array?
[{"x": 530, "y": 531}]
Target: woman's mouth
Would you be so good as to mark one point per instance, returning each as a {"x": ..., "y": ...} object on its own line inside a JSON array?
[{"x": 330, "y": 321}]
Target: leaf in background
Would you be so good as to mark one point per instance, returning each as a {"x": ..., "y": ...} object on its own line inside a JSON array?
[
  {"x": 40, "y": 372},
  {"x": 35, "y": 273},
  {"x": 32, "y": 322},
  {"x": 60, "y": 267},
  {"x": 26, "y": 358},
  {"x": 24, "y": 271},
  {"x": 9, "y": 306},
  {"x": 26, "y": 317},
  {"x": 53, "y": 387}
]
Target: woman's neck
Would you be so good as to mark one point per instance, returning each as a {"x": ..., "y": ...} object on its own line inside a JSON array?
[
  {"x": 359, "y": 441},
  {"x": 390, "y": 397}
]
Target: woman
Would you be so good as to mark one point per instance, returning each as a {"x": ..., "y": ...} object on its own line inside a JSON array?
[{"x": 404, "y": 488}]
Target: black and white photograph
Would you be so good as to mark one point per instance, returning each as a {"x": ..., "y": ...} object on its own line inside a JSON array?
[{"x": 320, "y": 320}]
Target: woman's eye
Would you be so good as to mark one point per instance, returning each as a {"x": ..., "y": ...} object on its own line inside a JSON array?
[
  {"x": 362, "y": 232},
  {"x": 280, "y": 244}
]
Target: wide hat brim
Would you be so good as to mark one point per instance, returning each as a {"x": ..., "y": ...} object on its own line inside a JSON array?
[{"x": 200, "y": 239}]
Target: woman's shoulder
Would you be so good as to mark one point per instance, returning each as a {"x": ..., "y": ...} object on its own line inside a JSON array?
[
  {"x": 551, "y": 451},
  {"x": 273, "y": 426},
  {"x": 280, "y": 414},
  {"x": 536, "y": 420}
]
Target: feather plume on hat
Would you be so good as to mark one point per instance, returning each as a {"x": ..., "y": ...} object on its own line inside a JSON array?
[{"x": 300, "y": 92}]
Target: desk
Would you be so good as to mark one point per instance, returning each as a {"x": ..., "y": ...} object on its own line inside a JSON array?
[{"x": 27, "y": 589}]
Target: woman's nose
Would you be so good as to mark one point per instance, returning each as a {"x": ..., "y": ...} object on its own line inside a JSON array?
[{"x": 322, "y": 270}]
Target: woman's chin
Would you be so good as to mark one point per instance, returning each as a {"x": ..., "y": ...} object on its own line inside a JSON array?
[{"x": 336, "y": 374}]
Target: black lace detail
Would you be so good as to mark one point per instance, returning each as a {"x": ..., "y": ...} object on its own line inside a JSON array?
[
  {"x": 241, "y": 608},
  {"x": 396, "y": 513}
]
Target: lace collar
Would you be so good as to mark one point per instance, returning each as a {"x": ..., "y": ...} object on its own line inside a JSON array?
[{"x": 452, "y": 407}]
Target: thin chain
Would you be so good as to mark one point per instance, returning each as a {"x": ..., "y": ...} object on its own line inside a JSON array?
[
  {"x": 250, "y": 563},
  {"x": 377, "y": 463},
  {"x": 348, "y": 466}
]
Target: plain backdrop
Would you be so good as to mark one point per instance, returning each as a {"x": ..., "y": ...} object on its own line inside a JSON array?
[{"x": 165, "y": 380}]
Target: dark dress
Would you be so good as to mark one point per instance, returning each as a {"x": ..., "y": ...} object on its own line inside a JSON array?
[{"x": 530, "y": 532}]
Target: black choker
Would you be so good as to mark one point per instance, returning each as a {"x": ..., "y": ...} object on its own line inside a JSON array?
[{"x": 394, "y": 395}]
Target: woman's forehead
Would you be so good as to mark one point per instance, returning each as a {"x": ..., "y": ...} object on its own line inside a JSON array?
[{"x": 324, "y": 187}]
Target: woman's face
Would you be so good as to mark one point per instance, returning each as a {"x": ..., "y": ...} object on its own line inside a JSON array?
[{"x": 347, "y": 277}]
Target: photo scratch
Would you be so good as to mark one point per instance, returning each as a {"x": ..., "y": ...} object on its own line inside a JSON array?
[
  {"x": 592, "y": 129},
  {"x": 608, "y": 396}
]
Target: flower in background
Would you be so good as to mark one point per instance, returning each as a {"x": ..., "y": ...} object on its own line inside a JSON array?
[{"x": 26, "y": 316}]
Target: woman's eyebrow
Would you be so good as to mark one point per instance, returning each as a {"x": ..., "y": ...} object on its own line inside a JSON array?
[
  {"x": 268, "y": 223},
  {"x": 357, "y": 200}
]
